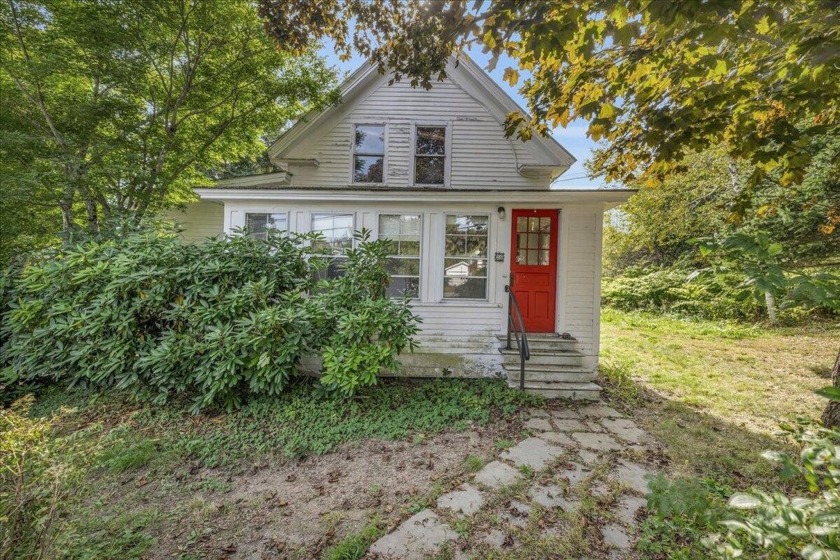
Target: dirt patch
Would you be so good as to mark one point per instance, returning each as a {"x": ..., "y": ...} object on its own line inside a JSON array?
[{"x": 298, "y": 508}]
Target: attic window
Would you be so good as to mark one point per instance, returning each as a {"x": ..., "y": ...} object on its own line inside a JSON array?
[
  {"x": 430, "y": 155},
  {"x": 368, "y": 153}
]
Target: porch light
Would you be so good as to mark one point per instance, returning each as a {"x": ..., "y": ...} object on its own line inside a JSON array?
[{"x": 501, "y": 211}]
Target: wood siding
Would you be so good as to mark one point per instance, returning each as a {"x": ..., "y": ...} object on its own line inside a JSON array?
[
  {"x": 200, "y": 220},
  {"x": 479, "y": 156},
  {"x": 582, "y": 277}
]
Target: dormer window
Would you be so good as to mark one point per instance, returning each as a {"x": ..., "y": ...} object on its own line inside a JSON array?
[
  {"x": 430, "y": 155},
  {"x": 369, "y": 153}
]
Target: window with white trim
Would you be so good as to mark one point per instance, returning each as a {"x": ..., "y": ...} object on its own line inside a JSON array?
[
  {"x": 430, "y": 155},
  {"x": 404, "y": 231},
  {"x": 369, "y": 153},
  {"x": 465, "y": 257},
  {"x": 337, "y": 237},
  {"x": 257, "y": 224}
]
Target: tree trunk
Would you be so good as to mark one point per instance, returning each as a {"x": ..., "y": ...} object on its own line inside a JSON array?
[
  {"x": 770, "y": 301},
  {"x": 831, "y": 414}
]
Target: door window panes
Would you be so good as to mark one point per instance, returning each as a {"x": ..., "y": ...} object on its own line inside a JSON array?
[
  {"x": 404, "y": 232},
  {"x": 465, "y": 257},
  {"x": 533, "y": 240}
]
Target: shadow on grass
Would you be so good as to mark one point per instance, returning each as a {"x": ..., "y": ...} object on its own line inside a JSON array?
[{"x": 699, "y": 444}]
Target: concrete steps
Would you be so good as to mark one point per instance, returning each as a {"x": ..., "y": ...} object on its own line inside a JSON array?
[
  {"x": 560, "y": 390},
  {"x": 555, "y": 369}
]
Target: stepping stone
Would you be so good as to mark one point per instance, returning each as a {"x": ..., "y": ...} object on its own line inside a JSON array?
[
  {"x": 538, "y": 425},
  {"x": 633, "y": 476},
  {"x": 566, "y": 413},
  {"x": 556, "y": 437},
  {"x": 600, "y": 411},
  {"x": 597, "y": 442},
  {"x": 548, "y": 496},
  {"x": 627, "y": 508},
  {"x": 418, "y": 537},
  {"x": 532, "y": 452},
  {"x": 625, "y": 429},
  {"x": 494, "y": 538},
  {"x": 600, "y": 490},
  {"x": 570, "y": 425},
  {"x": 497, "y": 474},
  {"x": 575, "y": 474},
  {"x": 465, "y": 501},
  {"x": 517, "y": 513},
  {"x": 538, "y": 413},
  {"x": 588, "y": 457},
  {"x": 615, "y": 537}
]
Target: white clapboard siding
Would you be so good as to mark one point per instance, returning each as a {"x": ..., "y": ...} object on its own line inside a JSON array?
[
  {"x": 480, "y": 155},
  {"x": 199, "y": 220},
  {"x": 582, "y": 278}
]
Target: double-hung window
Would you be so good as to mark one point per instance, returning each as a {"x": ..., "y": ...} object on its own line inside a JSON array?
[
  {"x": 404, "y": 231},
  {"x": 258, "y": 224},
  {"x": 465, "y": 257},
  {"x": 430, "y": 155},
  {"x": 336, "y": 238},
  {"x": 369, "y": 153}
]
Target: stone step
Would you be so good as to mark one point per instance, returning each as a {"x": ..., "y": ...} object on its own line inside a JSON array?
[
  {"x": 542, "y": 357},
  {"x": 567, "y": 375},
  {"x": 543, "y": 342},
  {"x": 548, "y": 390}
]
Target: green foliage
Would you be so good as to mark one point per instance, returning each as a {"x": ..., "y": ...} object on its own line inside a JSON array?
[
  {"x": 807, "y": 526},
  {"x": 368, "y": 330},
  {"x": 682, "y": 511},
  {"x": 37, "y": 475},
  {"x": 655, "y": 80},
  {"x": 121, "y": 107},
  {"x": 354, "y": 547},
  {"x": 759, "y": 261},
  {"x": 218, "y": 321},
  {"x": 673, "y": 290},
  {"x": 298, "y": 422}
]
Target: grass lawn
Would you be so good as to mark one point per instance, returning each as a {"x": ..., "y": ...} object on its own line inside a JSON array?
[{"x": 714, "y": 394}]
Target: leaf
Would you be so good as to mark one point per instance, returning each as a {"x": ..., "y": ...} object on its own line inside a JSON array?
[
  {"x": 744, "y": 501},
  {"x": 511, "y": 76},
  {"x": 830, "y": 392}
]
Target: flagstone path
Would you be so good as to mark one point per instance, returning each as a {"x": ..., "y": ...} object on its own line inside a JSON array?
[{"x": 571, "y": 454}]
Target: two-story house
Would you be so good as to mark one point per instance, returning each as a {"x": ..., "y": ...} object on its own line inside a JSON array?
[{"x": 471, "y": 214}]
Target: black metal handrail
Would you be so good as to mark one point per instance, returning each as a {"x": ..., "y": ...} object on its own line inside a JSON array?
[{"x": 524, "y": 349}]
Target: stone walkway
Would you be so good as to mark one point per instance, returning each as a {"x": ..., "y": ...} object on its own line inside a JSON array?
[{"x": 575, "y": 458}]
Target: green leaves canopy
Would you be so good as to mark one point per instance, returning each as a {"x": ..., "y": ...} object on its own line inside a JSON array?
[
  {"x": 121, "y": 106},
  {"x": 656, "y": 79}
]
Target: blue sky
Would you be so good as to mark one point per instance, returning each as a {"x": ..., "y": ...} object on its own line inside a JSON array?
[{"x": 572, "y": 138}]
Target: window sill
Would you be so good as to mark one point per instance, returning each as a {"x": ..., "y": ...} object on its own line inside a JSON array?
[{"x": 462, "y": 302}]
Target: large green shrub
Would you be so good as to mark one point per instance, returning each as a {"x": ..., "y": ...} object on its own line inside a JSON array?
[
  {"x": 669, "y": 290},
  {"x": 219, "y": 320}
]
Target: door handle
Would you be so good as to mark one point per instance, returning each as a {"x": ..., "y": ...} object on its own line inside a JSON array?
[{"x": 511, "y": 279}]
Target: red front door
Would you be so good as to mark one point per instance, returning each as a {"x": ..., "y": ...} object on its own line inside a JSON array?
[{"x": 533, "y": 268}]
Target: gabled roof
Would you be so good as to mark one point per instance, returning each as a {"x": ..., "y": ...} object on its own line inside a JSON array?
[{"x": 464, "y": 72}]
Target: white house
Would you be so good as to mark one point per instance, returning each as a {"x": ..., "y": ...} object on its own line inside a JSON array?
[{"x": 470, "y": 211}]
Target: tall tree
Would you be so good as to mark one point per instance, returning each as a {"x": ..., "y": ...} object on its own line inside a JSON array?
[
  {"x": 657, "y": 79},
  {"x": 119, "y": 107}
]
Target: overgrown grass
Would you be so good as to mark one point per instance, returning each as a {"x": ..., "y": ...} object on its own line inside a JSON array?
[
  {"x": 354, "y": 546},
  {"x": 299, "y": 422},
  {"x": 135, "y": 443}
]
